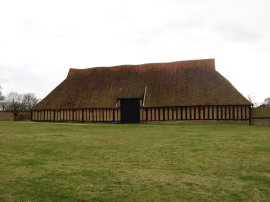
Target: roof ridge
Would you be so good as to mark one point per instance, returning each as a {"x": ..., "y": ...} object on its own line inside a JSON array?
[{"x": 207, "y": 64}]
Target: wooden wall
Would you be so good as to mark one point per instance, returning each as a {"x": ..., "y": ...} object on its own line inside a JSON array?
[
  {"x": 211, "y": 112},
  {"x": 77, "y": 115}
]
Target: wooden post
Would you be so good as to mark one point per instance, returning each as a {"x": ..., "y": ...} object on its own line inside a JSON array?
[
  {"x": 249, "y": 115},
  {"x": 212, "y": 116},
  {"x": 241, "y": 112},
  {"x": 208, "y": 112},
  {"x": 82, "y": 115},
  {"x": 181, "y": 113},
  {"x": 146, "y": 115},
  {"x": 221, "y": 112}
]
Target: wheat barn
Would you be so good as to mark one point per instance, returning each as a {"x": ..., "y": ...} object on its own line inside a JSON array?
[{"x": 175, "y": 91}]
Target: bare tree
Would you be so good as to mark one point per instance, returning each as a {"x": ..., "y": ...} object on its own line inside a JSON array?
[
  {"x": 29, "y": 100},
  {"x": 18, "y": 102},
  {"x": 2, "y": 97},
  {"x": 266, "y": 102},
  {"x": 251, "y": 99},
  {"x": 13, "y": 101}
]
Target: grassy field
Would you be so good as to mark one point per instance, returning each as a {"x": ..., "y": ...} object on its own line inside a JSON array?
[{"x": 187, "y": 162}]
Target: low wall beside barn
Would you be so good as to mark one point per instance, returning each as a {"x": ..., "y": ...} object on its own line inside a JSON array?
[
  {"x": 15, "y": 116},
  {"x": 7, "y": 116},
  {"x": 260, "y": 116}
]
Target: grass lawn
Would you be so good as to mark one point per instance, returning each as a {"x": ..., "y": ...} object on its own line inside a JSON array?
[{"x": 106, "y": 162}]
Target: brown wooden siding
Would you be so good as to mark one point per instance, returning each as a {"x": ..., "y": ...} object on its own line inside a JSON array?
[{"x": 209, "y": 112}]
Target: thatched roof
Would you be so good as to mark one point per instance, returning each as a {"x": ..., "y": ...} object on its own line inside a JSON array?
[{"x": 183, "y": 83}]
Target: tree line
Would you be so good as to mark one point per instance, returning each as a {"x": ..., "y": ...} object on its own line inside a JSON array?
[{"x": 14, "y": 101}]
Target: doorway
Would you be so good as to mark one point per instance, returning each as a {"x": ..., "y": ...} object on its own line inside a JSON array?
[{"x": 130, "y": 110}]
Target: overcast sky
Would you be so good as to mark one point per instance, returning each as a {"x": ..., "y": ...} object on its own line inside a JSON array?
[{"x": 41, "y": 40}]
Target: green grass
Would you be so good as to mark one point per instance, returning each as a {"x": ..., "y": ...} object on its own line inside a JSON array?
[{"x": 103, "y": 162}]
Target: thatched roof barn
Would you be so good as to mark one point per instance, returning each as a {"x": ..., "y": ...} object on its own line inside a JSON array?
[{"x": 155, "y": 86}]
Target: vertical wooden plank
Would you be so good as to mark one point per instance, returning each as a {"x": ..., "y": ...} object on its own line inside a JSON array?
[
  {"x": 249, "y": 115},
  {"x": 181, "y": 113},
  {"x": 237, "y": 111},
  {"x": 203, "y": 113},
  {"x": 72, "y": 114},
  {"x": 208, "y": 113},
  {"x": 241, "y": 111},
  {"x": 233, "y": 107},
  {"x": 147, "y": 114},
  {"x": 226, "y": 112},
  {"x": 101, "y": 114},
  {"x": 217, "y": 112},
  {"x": 91, "y": 115},
  {"x": 229, "y": 110},
  {"x": 221, "y": 112},
  {"x": 212, "y": 109},
  {"x": 111, "y": 115},
  {"x": 82, "y": 110},
  {"x": 189, "y": 109},
  {"x": 160, "y": 115},
  {"x": 163, "y": 114},
  {"x": 246, "y": 117}
]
